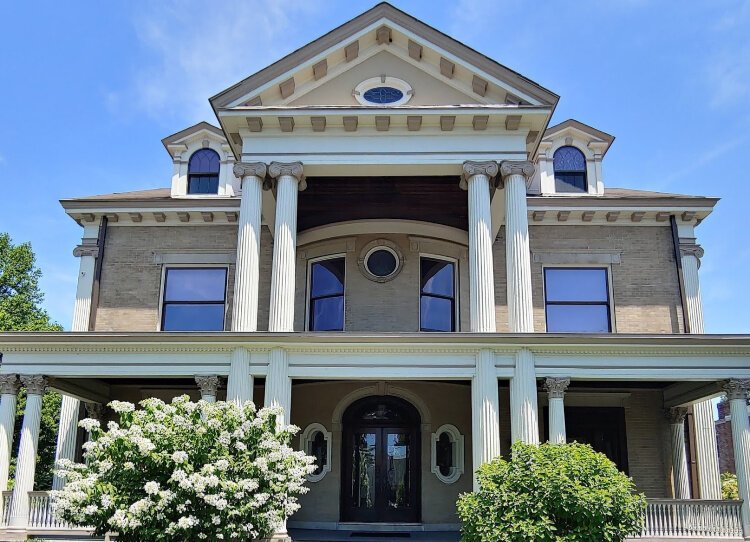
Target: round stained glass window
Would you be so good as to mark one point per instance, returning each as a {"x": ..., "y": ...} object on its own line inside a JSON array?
[
  {"x": 382, "y": 262},
  {"x": 383, "y": 95}
]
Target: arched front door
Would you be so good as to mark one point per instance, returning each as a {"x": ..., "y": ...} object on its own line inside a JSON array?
[{"x": 380, "y": 461}]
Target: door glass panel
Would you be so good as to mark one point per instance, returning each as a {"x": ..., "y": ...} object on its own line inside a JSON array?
[
  {"x": 397, "y": 469},
  {"x": 363, "y": 479}
]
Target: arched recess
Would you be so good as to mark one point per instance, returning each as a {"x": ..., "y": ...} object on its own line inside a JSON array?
[
  {"x": 381, "y": 388},
  {"x": 383, "y": 227}
]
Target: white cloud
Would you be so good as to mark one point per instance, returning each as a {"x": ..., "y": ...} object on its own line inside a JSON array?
[
  {"x": 198, "y": 49},
  {"x": 702, "y": 159}
]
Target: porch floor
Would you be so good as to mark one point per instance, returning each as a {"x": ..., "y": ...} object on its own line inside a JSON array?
[{"x": 324, "y": 535}]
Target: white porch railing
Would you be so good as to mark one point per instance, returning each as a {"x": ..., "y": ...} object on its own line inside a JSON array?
[
  {"x": 41, "y": 515},
  {"x": 692, "y": 519}
]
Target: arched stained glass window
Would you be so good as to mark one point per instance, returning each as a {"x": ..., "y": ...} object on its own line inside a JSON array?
[
  {"x": 570, "y": 170},
  {"x": 203, "y": 172}
]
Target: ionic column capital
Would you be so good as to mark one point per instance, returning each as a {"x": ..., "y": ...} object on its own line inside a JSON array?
[
  {"x": 290, "y": 169},
  {"x": 95, "y": 411},
  {"x": 249, "y": 169},
  {"x": 688, "y": 247},
  {"x": 470, "y": 168},
  {"x": 556, "y": 387},
  {"x": 676, "y": 415},
  {"x": 208, "y": 384},
  {"x": 9, "y": 384},
  {"x": 736, "y": 389},
  {"x": 34, "y": 384},
  {"x": 88, "y": 247},
  {"x": 516, "y": 167}
]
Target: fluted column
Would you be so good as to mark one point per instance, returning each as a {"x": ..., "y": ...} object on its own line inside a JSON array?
[
  {"x": 690, "y": 255},
  {"x": 245, "y": 301},
  {"x": 209, "y": 385},
  {"x": 485, "y": 407},
  {"x": 289, "y": 180},
  {"x": 556, "y": 396},
  {"x": 240, "y": 381},
  {"x": 278, "y": 384},
  {"x": 67, "y": 429},
  {"x": 476, "y": 179},
  {"x": 516, "y": 176},
  {"x": 676, "y": 417},
  {"x": 26, "y": 463},
  {"x": 9, "y": 391},
  {"x": 736, "y": 391},
  {"x": 706, "y": 452},
  {"x": 67, "y": 434},
  {"x": 524, "y": 416}
]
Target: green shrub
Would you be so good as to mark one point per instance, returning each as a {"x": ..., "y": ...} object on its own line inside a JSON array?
[
  {"x": 551, "y": 493},
  {"x": 729, "y": 489}
]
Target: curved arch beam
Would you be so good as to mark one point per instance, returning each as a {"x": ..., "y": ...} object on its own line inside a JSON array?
[
  {"x": 383, "y": 226},
  {"x": 375, "y": 389}
]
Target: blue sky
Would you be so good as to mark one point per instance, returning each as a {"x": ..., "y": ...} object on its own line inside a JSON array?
[{"x": 89, "y": 89}]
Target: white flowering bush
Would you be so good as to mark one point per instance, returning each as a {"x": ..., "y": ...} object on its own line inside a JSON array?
[{"x": 185, "y": 471}]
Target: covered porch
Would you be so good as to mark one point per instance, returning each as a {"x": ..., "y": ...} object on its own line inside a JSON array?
[{"x": 625, "y": 395}]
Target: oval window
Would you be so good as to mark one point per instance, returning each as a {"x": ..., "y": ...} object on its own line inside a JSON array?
[
  {"x": 383, "y": 95},
  {"x": 382, "y": 262}
]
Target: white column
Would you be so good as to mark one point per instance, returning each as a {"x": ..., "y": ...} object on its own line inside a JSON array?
[
  {"x": 736, "y": 391},
  {"x": 9, "y": 391},
  {"x": 67, "y": 434},
  {"x": 516, "y": 177},
  {"x": 556, "y": 396},
  {"x": 289, "y": 180},
  {"x": 690, "y": 255},
  {"x": 278, "y": 384},
  {"x": 676, "y": 417},
  {"x": 67, "y": 429},
  {"x": 26, "y": 463},
  {"x": 524, "y": 417},
  {"x": 476, "y": 179},
  {"x": 485, "y": 407},
  {"x": 240, "y": 381},
  {"x": 208, "y": 384},
  {"x": 706, "y": 452},
  {"x": 246, "y": 277}
]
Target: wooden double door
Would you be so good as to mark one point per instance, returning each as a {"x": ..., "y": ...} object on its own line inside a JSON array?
[{"x": 381, "y": 462}]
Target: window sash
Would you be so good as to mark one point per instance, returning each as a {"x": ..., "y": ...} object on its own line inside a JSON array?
[
  {"x": 573, "y": 303},
  {"x": 165, "y": 304},
  {"x": 203, "y": 183},
  {"x": 313, "y": 299},
  {"x": 423, "y": 294}
]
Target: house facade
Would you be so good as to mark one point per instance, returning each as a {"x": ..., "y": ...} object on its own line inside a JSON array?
[{"x": 387, "y": 237}]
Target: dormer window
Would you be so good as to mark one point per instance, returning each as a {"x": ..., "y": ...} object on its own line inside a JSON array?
[
  {"x": 570, "y": 170},
  {"x": 203, "y": 172}
]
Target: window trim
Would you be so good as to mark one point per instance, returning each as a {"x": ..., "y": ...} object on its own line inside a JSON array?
[
  {"x": 456, "y": 296},
  {"x": 457, "y": 439},
  {"x": 304, "y": 440},
  {"x": 163, "y": 287},
  {"x": 610, "y": 293},
  {"x": 308, "y": 289},
  {"x": 585, "y": 172}
]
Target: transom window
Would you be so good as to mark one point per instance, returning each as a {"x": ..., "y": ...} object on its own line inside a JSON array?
[
  {"x": 570, "y": 170},
  {"x": 326, "y": 311},
  {"x": 577, "y": 300},
  {"x": 437, "y": 303},
  {"x": 194, "y": 299},
  {"x": 203, "y": 172}
]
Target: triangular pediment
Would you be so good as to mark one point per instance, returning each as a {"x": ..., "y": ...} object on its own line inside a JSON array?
[{"x": 384, "y": 41}]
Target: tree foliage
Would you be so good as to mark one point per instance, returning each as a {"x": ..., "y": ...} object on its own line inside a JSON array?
[
  {"x": 20, "y": 310},
  {"x": 551, "y": 493},
  {"x": 185, "y": 471},
  {"x": 729, "y": 488}
]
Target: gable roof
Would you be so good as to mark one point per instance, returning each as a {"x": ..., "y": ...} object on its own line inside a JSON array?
[
  {"x": 178, "y": 137},
  {"x": 341, "y": 34},
  {"x": 578, "y": 125}
]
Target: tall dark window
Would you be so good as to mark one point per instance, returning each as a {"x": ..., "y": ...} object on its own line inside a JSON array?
[
  {"x": 327, "y": 295},
  {"x": 570, "y": 170},
  {"x": 194, "y": 299},
  {"x": 577, "y": 300},
  {"x": 437, "y": 303},
  {"x": 203, "y": 172}
]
